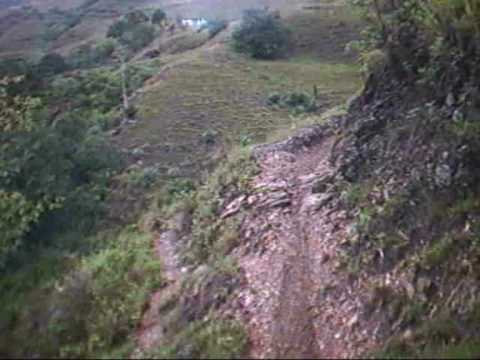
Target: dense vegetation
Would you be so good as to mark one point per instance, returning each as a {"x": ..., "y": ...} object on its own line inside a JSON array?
[
  {"x": 409, "y": 175},
  {"x": 89, "y": 277},
  {"x": 137, "y": 29},
  {"x": 49, "y": 167},
  {"x": 421, "y": 98}
]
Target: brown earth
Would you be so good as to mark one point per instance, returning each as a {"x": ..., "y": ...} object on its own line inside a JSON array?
[{"x": 295, "y": 302}]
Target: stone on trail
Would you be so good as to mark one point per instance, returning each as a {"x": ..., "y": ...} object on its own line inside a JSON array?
[
  {"x": 315, "y": 202},
  {"x": 234, "y": 207}
]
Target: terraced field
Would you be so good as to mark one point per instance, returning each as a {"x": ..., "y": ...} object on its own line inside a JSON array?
[{"x": 205, "y": 100}]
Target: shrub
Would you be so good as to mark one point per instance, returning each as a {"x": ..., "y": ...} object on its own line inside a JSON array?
[
  {"x": 144, "y": 177},
  {"x": 211, "y": 339},
  {"x": 131, "y": 112},
  {"x": 158, "y": 16},
  {"x": 117, "y": 29},
  {"x": 136, "y": 17},
  {"x": 261, "y": 35},
  {"x": 52, "y": 64},
  {"x": 98, "y": 89},
  {"x": 13, "y": 67},
  {"x": 132, "y": 30},
  {"x": 138, "y": 37},
  {"x": 274, "y": 99},
  {"x": 47, "y": 168},
  {"x": 216, "y": 26},
  {"x": 104, "y": 49},
  {"x": 86, "y": 56},
  {"x": 180, "y": 187},
  {"x": 17, "y": 215},
  {"x": 297, "y": 101},
  {"x": 122, "y": 277},
  {"x": 89, "y": 312}
]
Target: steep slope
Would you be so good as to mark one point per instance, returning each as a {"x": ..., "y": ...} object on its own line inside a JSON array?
[
  {"x": 202, "y": 103},
  {"x": 360, "y": 237}
]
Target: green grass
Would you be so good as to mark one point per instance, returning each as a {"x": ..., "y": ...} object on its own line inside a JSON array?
[
  {"x": 87, "y": 309},
  {"x": 210, "y": 339},
  {"x": 88, "y": 304},
  {"x": 213, "y": 90},
  {"x": 24, "y": 38},
  {"x": 438, "y": 338},
  {"x": 227, "y": 94}
]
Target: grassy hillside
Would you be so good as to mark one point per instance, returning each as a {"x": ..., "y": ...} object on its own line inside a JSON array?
[
  {"x": 25, "y": 36},
  {"x": 213, "y": 92},
  {"x": 86, "y": 290}
]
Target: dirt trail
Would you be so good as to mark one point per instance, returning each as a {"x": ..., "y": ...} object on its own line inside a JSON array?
[
  {"x": 151, "y": 331},
  {"x": 296, "y": 303}
]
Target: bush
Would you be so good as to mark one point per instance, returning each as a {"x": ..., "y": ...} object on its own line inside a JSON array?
[
  {"x": 88, "y": 313},
  {"x": 17, "y": 215},
  {"x": 131, "y": 112},
  {"x": 140, "y": 37},
  {"x": 158, "y": 17},
  {"x": 86, "y": 56},
  {"x": 216, "y": 26},
  {"x": 13, "y": 67},
  {"x": 121, "y": 278},
  {"x": 48, "y": 169},
  {"x": 261, "y": 35},
  {"x": 211, "y": 339},
  {"x": 117, "y": 29},
  {"x": 99, "y": 90},
  {"x": 298, "y": 101},
  {"x": 133, "y": 30},
  {"x": 136, "y": 17},
  {"x": 52, "y": 64},
  {"x": 144, "y": 177}
]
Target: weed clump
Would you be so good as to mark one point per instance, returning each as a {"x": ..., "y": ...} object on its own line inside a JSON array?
[
  {"x": 297, "y": 101},
  {"x": 210, "y": 339}
]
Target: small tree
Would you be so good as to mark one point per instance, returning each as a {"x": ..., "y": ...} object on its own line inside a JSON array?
[
  {"x": 261, "y": 34},
  {"x": 48, "y": 168},
  {"x": 52, "y": 64},
  {"x": 117, "y": 29},
  {"x": 136, "y": 17},
  {"x": 158, "y": 17},
  {"x": 139, "y": 37}
]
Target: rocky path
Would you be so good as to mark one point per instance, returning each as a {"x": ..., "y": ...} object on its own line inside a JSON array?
[
  {"x": 296, "y": 302},
  {"x": 151, "y": 332}
]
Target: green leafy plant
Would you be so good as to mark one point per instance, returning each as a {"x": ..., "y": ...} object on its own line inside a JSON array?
[
  {"x": 52, "y": 64},
  {"x": 261, "y": 35},
  {"x": 132, "y": 31},
  {"x": 297, "y": 101},
  {"x": 214, "y": 27},
  {"x": 144, "y": 177},
  {"x": 46, "y": 167},
  {"x": 158, "y": 17},
  {"x": 211, "y": 339}
]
